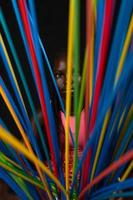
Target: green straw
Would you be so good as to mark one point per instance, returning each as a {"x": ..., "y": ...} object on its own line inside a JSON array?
[
  {"x": 19, "y": 172},
  {"x": 22, "y": 185},
  {"x": 80, "y": 104},
  {"x": 76, "y": 73}
]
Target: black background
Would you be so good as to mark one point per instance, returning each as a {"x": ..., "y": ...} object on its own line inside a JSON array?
[{"x": 52, "y": 18}]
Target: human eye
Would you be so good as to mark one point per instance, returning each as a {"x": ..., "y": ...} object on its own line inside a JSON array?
[{"x": 58, "y": 75}]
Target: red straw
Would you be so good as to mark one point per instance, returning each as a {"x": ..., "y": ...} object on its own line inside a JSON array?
[
  {"x": 38, "y": 77},
  {"x": 122, "y": 160},
  {"x": 108, "y": 18},
  {"x": 87, "y": 94},
  {"x": 88, "y": 37}
]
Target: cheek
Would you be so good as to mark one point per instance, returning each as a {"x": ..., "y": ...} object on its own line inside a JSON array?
[{"x": 61, "y": 83}]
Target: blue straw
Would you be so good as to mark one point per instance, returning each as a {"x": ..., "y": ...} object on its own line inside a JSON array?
[
  {"x": 120, "y": 32},
  {"x": 46, "y": 92},
  {"x": 20, "y": 24},
  {"x": 27, "y": 91},
  {"x": 113, "y": 187},
  {"x": 126, "y": 74},
  {"x": 31, "y": 135},
  {"x": 52, "y": 76},
  {"x": 13, "y": 185}
]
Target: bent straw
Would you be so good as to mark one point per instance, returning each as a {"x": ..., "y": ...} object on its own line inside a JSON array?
[
  {"x": 68, "y": 90},
  {"x": 10, "y": 139},
  {"x": 22, "y": 7},
  {"x": 122, "y": 160},
  {"x": 23, "y": 136}
]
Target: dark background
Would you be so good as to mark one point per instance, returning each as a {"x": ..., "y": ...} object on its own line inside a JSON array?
[{"x": 52, "y": 18}]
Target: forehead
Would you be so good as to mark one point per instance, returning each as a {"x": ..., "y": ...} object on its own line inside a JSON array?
[{"x": 60, "y": 64}]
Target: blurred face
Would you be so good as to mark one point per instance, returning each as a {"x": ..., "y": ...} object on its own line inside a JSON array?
[
  {"x": 6, "y": 193},
  {"x": 60, "y": 70},
  {"x": 60, "y": 74}
]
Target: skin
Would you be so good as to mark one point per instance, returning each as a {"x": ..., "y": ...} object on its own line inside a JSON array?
[
  {"x": 60, "y": 66},
  {"x": 60, "y": 70},
  {"x": 6, "y": 193}
]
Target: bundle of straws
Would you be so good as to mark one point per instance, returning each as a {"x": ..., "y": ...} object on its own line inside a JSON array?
[{"x": 104, "y": 170}]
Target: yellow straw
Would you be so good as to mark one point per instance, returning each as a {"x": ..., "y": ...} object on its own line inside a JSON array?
[
  {"x": 125, "y": 49},
  {"x": 68, "y": 90},
  {"x": 23, "y": 135},
  {"x": 11, "y": 69},
  {"x": 11, "y": 161},
  {"x": 10, "y": 139},
  {"x": 100, "y": 142},
  {"x": 129, "y": 117},
  {"x": 91, "y": 66},
  {"x": 125, "y": 175},
  {"x": 127, "y": 172},
  {"x": 90, "y": 62},
  {"x": 15, "y": 117},
  {"x": 10, "y": 168},
  {"x": 121, "y": 119}
]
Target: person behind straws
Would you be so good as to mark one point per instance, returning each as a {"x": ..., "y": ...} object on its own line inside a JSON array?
[
  {"x": 6, "y": 193},
  {"x": 60, "y": 70}
]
